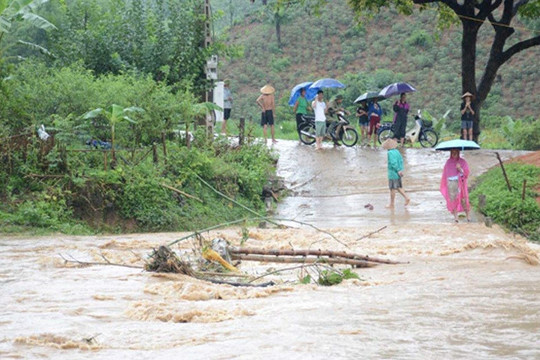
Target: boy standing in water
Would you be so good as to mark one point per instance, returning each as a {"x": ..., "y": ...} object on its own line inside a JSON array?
[{"x": 395, "y": 172}]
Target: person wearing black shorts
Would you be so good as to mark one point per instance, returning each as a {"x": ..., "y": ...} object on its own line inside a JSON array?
[
  {"x": 467, "y": 116},
  {"x": 267, "y": 104}
]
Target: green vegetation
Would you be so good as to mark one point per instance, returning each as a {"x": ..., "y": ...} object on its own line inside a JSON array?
[
  {"x": 334, "y": 277},
  {"x": 508, "y": 207},
  {"x": 134, "y": 196},
  {"x": 116, "y": 90}
]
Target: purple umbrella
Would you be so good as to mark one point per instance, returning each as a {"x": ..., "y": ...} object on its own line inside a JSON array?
[{"x": 396, "y": 89}]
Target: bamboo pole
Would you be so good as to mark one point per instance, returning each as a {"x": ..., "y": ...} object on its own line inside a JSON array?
[
  {"x": 287, "y": 252},
  {"x": 524, "y": 188},
  {"x": 303, "y": 260},
  {"x": 504, "y": 172},
  {"x": 180, "y": 192},
  {"x": 164, "y": 146}
]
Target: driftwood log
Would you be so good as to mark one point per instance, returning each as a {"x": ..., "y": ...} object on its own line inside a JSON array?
[
  {"x": 338, "y": 255},
  {"x": 303, "y": 260}
]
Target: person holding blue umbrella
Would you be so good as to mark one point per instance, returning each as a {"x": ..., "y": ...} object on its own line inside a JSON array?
[{"x": 301, "y": 107}]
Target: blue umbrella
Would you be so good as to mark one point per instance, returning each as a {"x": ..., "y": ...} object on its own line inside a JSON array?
[
  {"x": 458, "y": 144},
  {"x": 326, "y": 83},
  {"x": 396, "y": 89},
  {"x": 295, "y": 92}
]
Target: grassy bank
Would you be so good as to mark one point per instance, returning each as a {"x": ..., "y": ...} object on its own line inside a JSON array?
[{"x": 516, "y": 210}]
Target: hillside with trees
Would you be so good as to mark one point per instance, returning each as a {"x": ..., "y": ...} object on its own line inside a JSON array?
[{"x": 387, "y": 48}]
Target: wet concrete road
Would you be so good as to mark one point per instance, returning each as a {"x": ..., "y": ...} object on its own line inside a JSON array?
[{"x": 331, "y": 187}]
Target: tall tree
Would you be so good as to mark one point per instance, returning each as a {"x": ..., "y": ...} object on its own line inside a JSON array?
[{"x": 473, "y": 14}]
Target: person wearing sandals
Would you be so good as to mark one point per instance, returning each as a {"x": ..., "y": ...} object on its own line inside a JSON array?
[
  {"x": 454, "y": 185},
  {"x": 395, "y": 172}
]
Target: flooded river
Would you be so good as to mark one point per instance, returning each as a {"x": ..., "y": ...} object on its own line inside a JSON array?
[{"x": 463, "y": 291}]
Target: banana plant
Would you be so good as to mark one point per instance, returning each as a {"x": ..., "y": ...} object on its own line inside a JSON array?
[
  {"x": 21, "y": 10},
  {"x": 114, "y": 115}
]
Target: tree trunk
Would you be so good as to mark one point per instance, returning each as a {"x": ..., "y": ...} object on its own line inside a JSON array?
[
  {"x": 468, "y": 66},
  {"x": 277, "y": 19}
]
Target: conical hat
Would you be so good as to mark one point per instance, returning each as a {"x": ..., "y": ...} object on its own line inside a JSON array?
[
  {"x": 389, "y": 144},
  {"x": 267, "y": 89}
]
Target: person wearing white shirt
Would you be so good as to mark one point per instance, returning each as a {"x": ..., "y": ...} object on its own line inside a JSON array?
[{"x": 319, "y": 108}]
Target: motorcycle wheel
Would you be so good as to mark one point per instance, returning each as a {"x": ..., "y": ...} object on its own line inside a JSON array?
[
  {"x": 307, "y": 134},
  {"x": 385, "y": 134},
  {"x": 428, "y": 138},
  {"x": 349, "y": 137}
]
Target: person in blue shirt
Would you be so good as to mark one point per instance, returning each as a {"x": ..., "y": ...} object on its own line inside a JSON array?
[{"x": 395, "y": 172}]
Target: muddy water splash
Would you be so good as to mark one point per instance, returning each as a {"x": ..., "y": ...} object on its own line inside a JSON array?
[{"x": 465, "y": 291}]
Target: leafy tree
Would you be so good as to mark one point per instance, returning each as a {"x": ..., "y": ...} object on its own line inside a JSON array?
[{"x": 473, "y": 14}]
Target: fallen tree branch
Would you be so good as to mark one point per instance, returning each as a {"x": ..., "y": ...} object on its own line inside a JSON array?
[
  {"x": 303, "y": 260},
  {"x": 371, "y": 233},
  {"x": 181, "y": 192},
  {"x": 282, "y": 270},
  {"x": 306, "y": 182},
  {"x": 316, "y": 228},
  {"x": 225, "y": 196},
  {"x": 88, "y": 263},
  {"x": 214, "y": 281},
  {"x": 328, "y": 253}
]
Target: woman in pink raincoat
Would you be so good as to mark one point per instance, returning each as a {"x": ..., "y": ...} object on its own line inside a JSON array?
[{"x": 454, "y": 185}]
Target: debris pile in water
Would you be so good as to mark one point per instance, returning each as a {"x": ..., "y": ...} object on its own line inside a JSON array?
[{"x": 164, "y": 260}]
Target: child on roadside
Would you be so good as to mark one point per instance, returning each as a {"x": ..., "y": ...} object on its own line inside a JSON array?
[{"x": 395, "y": 172}]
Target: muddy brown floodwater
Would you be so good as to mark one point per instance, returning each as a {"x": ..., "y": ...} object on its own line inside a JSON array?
[{"x": 464, "y": 291}]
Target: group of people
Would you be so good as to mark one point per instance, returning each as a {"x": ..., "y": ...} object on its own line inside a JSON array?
[
  {"x": 370, "y": 114},
  {"x": 453, "y": 185}
]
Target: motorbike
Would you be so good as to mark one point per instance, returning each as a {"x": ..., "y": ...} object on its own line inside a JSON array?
[
  {"x": 342, "y": 132},
  {"x": 422, "y": 132}
]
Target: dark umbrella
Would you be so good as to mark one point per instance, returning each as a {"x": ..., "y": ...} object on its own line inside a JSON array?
[
  {"x": 396, "y": 89},
  {"x": 369, "y": 96},
  {"x": 458, "y": 144}
]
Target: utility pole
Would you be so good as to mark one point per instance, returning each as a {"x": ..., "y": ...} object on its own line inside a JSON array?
[{"x": 211, "y": 66}]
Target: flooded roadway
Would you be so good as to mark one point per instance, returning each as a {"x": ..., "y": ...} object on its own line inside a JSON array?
[{"x": 467, "y": 291}]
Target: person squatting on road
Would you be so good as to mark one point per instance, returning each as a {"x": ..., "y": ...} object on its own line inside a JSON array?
[
  {"x": 401, "y": 109},
  {"x": 320, "y": 109},
  {"x": 454, "y": 185},
  {"x": 335, "y": 106},
  {"x": 395, "y": 172}
]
